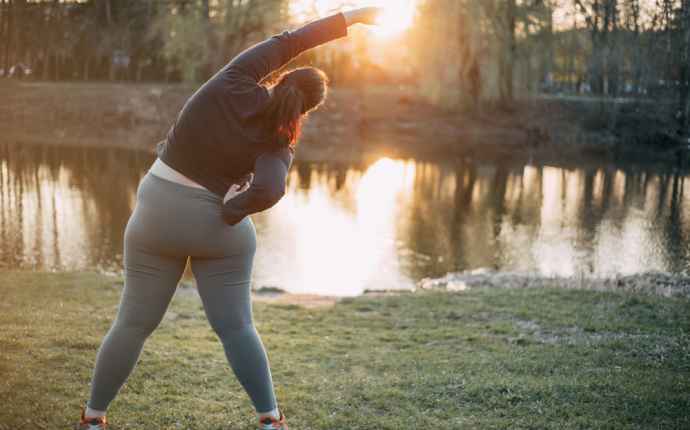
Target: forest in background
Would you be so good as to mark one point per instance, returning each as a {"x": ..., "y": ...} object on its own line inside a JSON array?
[{"x": 627, "y": 59}]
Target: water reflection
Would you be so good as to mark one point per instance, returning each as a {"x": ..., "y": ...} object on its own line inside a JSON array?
[
  {"x": 339, "y": 233},
  {"x": 344, "y": 228},
  {"x": 64, "y": 208}
]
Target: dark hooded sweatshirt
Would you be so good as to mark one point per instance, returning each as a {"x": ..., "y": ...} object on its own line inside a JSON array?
[{"x": 219, "y": 138}]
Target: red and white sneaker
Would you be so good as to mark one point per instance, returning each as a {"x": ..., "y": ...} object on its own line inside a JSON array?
[
  {"x": 270, "y": 423},
  {"x": 92, "y": 423}
]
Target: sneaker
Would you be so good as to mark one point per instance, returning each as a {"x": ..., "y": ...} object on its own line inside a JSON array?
[
  {"x": 270, "y": 423},
  {"x": 93, "y": 423}
]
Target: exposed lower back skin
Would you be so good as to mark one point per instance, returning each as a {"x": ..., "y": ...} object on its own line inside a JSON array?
[{"x": 162, "y": 170}]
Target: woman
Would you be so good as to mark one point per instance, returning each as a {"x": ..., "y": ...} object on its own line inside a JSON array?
[{"x": 227, "y": 156}]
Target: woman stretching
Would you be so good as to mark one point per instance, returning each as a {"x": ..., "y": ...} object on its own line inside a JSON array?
[{"x": 227, "y": 156}]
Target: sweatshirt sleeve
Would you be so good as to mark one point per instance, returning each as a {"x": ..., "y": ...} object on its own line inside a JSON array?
[
  {"x": 257, "y": 62},
  {"x": 270, "y": 179}
]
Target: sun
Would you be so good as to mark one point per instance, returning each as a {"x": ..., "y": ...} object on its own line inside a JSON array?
[{"x": 398, "y": 15}]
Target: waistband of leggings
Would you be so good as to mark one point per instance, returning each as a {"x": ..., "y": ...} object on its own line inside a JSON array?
[{"x": 180, "y": 188}]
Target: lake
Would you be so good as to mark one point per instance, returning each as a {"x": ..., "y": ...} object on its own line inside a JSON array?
[{"x": 382, "y": 224}]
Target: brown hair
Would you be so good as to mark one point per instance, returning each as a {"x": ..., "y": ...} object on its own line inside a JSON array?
[{"x": 297, "y": 93}]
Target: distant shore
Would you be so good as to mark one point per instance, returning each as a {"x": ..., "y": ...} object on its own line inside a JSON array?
[{"x": 354, "y": 124}]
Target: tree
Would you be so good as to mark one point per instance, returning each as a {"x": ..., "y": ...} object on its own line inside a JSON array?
[
  {"x": 488, "y": 35},
  {"x": 684, "y": 64}
]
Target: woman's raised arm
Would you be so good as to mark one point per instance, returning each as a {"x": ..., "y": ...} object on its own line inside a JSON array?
[
  {"x": 270, "y": 55},
  {"x": 262, "y": 59},
  {"x": 365, "y": 15}
]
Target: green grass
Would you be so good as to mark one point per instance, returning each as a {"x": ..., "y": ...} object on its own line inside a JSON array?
[{"x": 484, "y": 359}]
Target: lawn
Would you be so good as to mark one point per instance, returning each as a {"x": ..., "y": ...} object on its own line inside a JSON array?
[{"x": 478, "y": 359}]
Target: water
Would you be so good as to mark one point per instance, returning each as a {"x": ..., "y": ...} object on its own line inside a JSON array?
[{"x": 380, "y": 225}]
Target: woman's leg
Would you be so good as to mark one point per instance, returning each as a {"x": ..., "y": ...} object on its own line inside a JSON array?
[
  {"x": 224, "y": 286},
  {"x": 150, "y": 282}
]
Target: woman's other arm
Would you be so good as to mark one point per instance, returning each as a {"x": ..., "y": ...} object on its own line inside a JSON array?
[{"x": 267, "y": 188}]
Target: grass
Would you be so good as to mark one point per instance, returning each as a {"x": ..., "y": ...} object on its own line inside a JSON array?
[{"x": 485, "y": 359}]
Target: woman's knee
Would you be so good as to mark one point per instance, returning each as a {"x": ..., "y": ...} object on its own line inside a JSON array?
[
  {"x": 136, "y": 327},
  {"x": 232, "y": 325}
]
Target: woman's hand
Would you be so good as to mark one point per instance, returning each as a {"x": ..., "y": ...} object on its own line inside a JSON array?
[
  {"x": 365, "y": 15},
  {"x": 237, "y": 189}
]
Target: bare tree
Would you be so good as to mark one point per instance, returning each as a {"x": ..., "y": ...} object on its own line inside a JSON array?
[{"x": 684, "y": 96}]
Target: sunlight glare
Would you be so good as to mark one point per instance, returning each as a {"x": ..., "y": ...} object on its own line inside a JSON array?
[{"x": 397, "y": 17}]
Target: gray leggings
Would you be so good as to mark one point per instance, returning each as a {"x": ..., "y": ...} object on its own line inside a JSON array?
[{"x": 170, "y": 223}]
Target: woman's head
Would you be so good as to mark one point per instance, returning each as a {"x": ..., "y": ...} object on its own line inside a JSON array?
[{"x": 295, "y": 94}]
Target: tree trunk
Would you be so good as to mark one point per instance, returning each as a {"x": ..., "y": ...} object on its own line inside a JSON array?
[
  {"x": 469, "y": 79},
  {"x": 8, "y": 37},
  {"x": 613, "y": 48},
  {"x": 549, "y": 55},
  {"x": 636, "y": 57},
  {"x": 108, "y": 13},
  {"x": 206, "y": 67},
  {"x": 3, "y": 15},
  {"x": 596, "y": 75},
  {"x": 18, "y": 15},
  {"x": 684, "y": 98},
  {"x": 508, "y": 61},
  {"x": 599, "y": 40}
]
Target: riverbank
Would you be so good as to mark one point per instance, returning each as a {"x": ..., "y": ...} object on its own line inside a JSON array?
[
  {"x": 479, "y": 358},
  {"x": 653, "y": 283},
  {"x": 353, "y": 124}
]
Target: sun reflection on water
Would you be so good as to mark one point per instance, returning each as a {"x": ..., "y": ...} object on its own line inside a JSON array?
[{"x": 325, "y": 242}]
